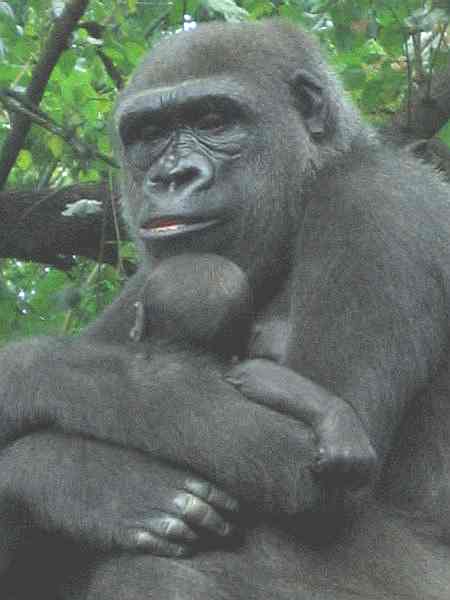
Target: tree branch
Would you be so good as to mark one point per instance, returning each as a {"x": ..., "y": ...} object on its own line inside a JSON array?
[
  {"x": 32, "y": 226},
  {"x": 95, "y": 30},
  {"x": 55, "y": 46},
  {"x": 417, "y": 124},
  {"x": 429, "y": 111},
  {"x": 20, "y": 105}
]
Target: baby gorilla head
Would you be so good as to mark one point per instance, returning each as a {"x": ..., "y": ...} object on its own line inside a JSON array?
[{"x": 201, "y": 299}]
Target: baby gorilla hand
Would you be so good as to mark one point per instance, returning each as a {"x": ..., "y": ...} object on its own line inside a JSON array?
[
  {"x": 345, "y": 457},
  {"x": 110, "y": 497}
]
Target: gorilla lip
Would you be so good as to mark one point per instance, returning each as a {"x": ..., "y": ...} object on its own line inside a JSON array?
[{"x": 168, "y": 227}]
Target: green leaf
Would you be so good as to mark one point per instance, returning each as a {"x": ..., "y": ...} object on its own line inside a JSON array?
[
  {"x": 354, "y": 78},
  {"x": 8, "y": 73},
  {"x": 372, "y": 47},
  {"x": 56, "y": 146},
  {"x": 8, "y": 312},
  {"x": 228, "y": 8},
  {"x": 67, "y": 62},
  {"x": 444, "y": 133},
  {"x": 128, "y": 251},
  {"x": 104, "y": 144},
  {"x": 6, "y": 10},
  {"x": 43, "y": 300},
  {"x": 24, "y": 160}
]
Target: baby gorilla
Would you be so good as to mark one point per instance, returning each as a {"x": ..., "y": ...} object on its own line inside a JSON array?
[
  {"x": 200, "y": 301},
  {"x": 201, "y": 304}
]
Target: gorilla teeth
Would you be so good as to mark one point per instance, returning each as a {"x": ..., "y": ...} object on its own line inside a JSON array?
[
  {"x": 153, "y": 231},
  {"x": 167, "y": 228}
]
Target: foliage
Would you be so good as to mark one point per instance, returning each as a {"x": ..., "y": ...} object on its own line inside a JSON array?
[
  {"x": 380, "y": 48},
  {"x": 36, "y": 299}
]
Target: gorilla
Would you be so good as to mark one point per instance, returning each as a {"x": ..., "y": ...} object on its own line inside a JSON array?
[
  {"x": 237, "y": 140},
  {"x": 200, "y": 300},
  {"x": 191, "y": 303},
  {"x": 205, "y": 300}
]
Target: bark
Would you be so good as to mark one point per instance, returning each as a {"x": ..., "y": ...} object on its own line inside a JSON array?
[{"x": 33, "y": 228}]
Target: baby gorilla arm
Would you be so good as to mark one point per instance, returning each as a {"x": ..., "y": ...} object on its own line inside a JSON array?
[{"x": 345, "y": 455}]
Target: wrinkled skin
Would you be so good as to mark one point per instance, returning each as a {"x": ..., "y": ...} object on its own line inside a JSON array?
[{"x": 236, "y": 140}]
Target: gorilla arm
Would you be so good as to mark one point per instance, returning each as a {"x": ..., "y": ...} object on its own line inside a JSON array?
[
  {"x": 178, "y": 410},
  {"x": 107, "y": 497},
  {"x": 368, "y": 318}
]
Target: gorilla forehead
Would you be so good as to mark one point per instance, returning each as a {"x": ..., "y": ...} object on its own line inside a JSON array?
[{"x": 265, "y": 52}]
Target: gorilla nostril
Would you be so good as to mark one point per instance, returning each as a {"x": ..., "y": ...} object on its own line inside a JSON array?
[{"x": 182, "y": 177}]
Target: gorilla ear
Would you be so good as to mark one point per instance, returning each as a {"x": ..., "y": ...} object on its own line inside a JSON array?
[{"x": 309, "y": 93}]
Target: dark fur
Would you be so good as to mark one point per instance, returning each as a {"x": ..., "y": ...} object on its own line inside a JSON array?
[
  {"x": 193, "y": 302},
  {"x": 202, "y": 300},
  {"x": 346, "y": 244}
]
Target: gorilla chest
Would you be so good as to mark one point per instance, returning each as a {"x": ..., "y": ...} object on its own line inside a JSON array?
[{"x": 269, "y": 338}]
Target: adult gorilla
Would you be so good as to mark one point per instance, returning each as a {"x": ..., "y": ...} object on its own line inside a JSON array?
[{"x": 237, "y": 140}]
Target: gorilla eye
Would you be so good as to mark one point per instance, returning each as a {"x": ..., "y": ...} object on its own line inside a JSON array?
[
  {"x": 211, "y": 122},
  {"x": 150, "y": 132},
  {"x": 133, "y": 131}
]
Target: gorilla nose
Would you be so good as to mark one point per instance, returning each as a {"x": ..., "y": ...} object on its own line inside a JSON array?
[
  {"x": 184, "y": 175},
  {"x": 194, "y": 172}
]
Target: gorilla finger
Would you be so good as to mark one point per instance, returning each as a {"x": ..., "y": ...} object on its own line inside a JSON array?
[
  {"x": 212, "y": 495},
  {"x": 170, "y": 527},
  {"x": 141, "y": 539},
  {"x": 200, "y": 514}
]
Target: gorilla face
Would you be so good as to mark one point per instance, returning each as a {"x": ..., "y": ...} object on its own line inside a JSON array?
[
  {"x": 217, "y": 140},
  {"x": 185, "y": 153}
]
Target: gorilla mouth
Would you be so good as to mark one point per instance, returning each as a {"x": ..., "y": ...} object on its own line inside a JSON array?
[{"x": 173, "y": 226}]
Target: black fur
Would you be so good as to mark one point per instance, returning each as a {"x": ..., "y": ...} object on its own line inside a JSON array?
[{"x": 346, "y": 246}]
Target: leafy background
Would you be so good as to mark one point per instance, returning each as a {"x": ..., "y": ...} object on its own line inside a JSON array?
[{"x": 383, "y": 51}]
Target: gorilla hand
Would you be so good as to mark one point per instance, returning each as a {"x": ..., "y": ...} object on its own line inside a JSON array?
[
  {"x": 345, "y": 454},
  {"x": 112, "y": 498}
]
